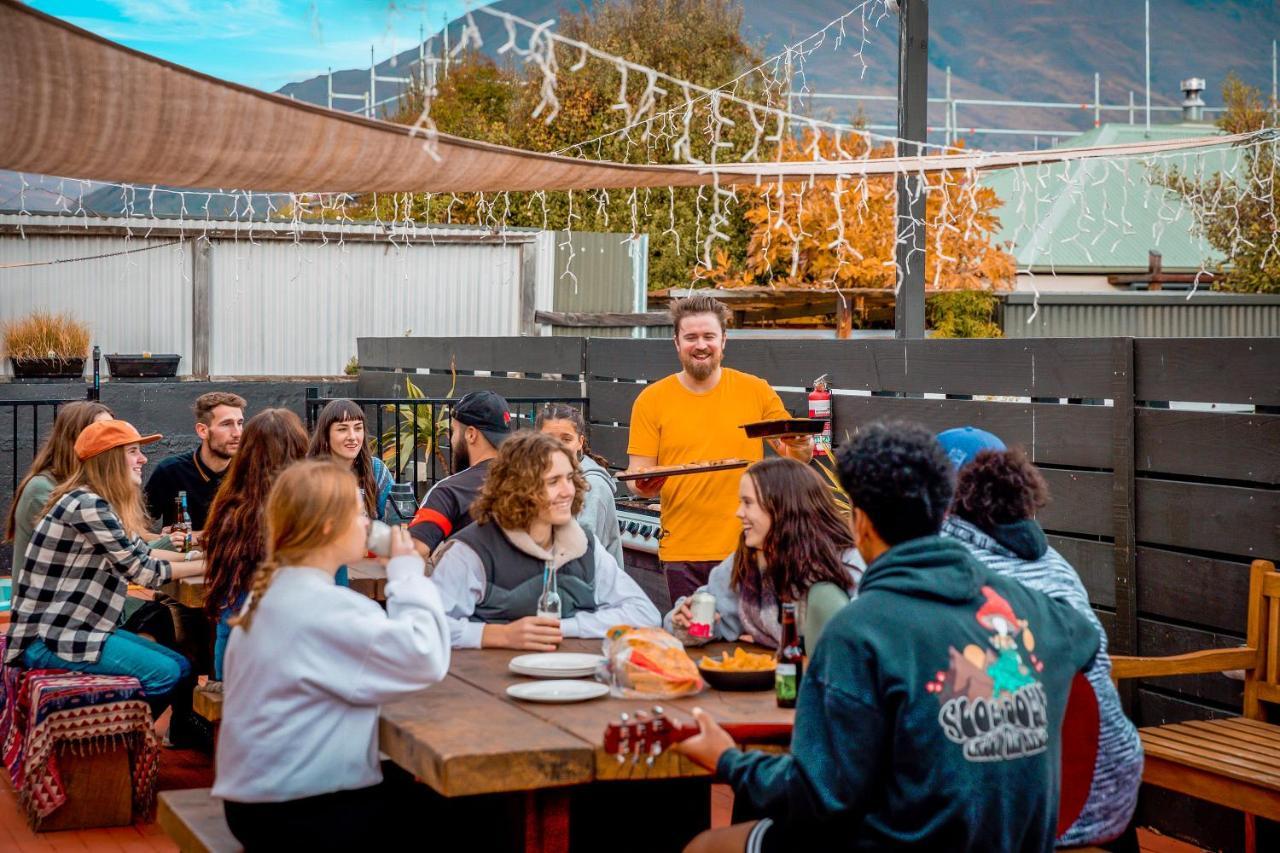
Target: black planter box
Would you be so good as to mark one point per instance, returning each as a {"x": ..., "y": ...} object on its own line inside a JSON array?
[
  {"x": 48, "y": 368},
  {"x": 138, "y": 366}
]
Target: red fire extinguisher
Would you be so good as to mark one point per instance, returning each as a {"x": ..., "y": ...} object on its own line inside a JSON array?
[{"x": 820, "y": 408}]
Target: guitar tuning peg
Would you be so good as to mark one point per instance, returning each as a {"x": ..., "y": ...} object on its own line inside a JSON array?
[
  {"x": 625, "y": 717},
  {"x": 657, "y": 710}
]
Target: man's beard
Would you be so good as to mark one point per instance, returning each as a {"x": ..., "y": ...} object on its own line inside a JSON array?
[
  {"x": 700, "y": 370},
  {"x": 461, "y": 457},
  {"x": 220, "y": 450}
]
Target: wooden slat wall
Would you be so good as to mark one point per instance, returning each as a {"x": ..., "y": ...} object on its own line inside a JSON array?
[{"x": 1206, "y": 495}]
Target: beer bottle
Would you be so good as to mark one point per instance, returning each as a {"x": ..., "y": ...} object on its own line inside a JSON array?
[
  {"x": 187, "y": 527},
  {"x": 178, "y": 532},
  {"x": 790, "y": 659}
]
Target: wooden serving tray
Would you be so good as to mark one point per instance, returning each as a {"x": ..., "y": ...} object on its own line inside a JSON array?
[
  {"x": 783, "y": 426},
  {"x": 681, "y": 470}
]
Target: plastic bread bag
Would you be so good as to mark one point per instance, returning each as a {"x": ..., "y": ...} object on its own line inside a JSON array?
[{"x": 647, "y": 663}]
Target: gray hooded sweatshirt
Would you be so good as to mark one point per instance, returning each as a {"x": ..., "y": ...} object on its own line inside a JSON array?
[{"x": 598, "y": 515}]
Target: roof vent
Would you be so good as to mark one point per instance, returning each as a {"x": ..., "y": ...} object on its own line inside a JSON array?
[{"x": 1192, "y": 103}]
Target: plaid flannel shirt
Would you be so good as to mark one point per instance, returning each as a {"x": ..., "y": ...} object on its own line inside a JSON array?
[{"x": 73, "y": 590}]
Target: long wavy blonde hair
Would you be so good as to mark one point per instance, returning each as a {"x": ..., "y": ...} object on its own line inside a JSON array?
[
  {"x": 107, "y": 476},
  {"x": 309, "y": 507}
]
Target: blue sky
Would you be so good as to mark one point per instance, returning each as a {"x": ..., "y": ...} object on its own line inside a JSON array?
[{"x": 260, "y": 43}]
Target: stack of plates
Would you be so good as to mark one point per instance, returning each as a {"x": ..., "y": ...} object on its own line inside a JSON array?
[{"x": 555, "y": 665}]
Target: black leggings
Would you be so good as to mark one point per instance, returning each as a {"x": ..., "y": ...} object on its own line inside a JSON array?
[{"x": 344, "y": 820}]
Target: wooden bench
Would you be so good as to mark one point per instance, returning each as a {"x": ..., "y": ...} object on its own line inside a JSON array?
[
  {"x": 1233, "y": 762},
  {"x": 195, "y": 822}
]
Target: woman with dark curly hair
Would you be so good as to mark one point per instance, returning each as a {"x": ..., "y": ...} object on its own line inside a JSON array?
[
  {"x": 490, "y": 574},
  {"x": 998, "y": 493},
  {"x": 795, "y": 546}
]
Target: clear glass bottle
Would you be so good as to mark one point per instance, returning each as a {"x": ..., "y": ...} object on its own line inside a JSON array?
[
  {"x": 364, "y": 505},
  {"x": 549, "y": 601}
]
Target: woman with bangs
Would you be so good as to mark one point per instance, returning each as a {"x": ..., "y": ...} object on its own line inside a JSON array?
[
  {"x": 86, "y": 549},
  {"x": 491, "y": 573},
  {"x": 235, "y": 536},
  {"x": 307, "y": 667},
  {"x": 795, "y": 546},
  {"x": 340, "y": 436}
]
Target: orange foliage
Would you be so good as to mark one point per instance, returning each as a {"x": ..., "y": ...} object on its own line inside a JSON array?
[{"x": 795, "y": 230}]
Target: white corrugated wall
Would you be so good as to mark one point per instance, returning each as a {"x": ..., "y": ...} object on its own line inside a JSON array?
[
  {"x": 139, "y": 302},
  {"x": 297, "y": 308}
]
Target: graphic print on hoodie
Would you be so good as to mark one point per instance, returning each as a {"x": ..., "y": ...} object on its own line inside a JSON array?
[{"x": 992, "y": 703}]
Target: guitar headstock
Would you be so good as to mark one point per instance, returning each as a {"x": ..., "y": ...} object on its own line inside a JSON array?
[{"x": 645, "y": 734}]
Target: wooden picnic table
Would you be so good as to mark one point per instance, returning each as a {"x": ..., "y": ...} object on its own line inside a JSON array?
[
  {"x": 367, "y": 577},
  {"x": 465, "y": 736}
]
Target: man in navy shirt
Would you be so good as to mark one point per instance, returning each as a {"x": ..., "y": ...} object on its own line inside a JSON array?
[{"x": 219, "y": 423}]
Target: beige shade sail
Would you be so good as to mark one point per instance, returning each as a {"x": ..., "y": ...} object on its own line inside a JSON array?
[{"x": 76, "y": 105}]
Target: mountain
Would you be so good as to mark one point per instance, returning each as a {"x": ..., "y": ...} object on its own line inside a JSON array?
[{"x": 1043, "y": 50}]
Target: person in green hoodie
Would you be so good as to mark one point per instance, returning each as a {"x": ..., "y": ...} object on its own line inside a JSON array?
[{"x": 931, "y": 713}]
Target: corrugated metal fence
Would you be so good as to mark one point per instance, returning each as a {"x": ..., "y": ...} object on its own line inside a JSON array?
[
  {"x": 1141, "y": 315},
  {"x": 261, "y": 299}
]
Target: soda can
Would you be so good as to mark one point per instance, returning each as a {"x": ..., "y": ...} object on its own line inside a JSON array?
[{"x": 702, "y": 606}]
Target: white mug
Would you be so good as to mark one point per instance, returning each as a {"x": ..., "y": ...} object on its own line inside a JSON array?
[{"x": 379, "y": 541}]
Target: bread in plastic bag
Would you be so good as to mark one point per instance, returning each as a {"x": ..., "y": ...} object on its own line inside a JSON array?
[{"x": 647, "y": 663}]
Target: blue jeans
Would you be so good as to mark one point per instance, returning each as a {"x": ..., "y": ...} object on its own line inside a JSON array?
[{"x": 124, "y": 653}]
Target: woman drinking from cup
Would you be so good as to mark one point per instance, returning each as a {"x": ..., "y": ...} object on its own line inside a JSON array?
[
  {"x": 795, "y": 546},
  {"x": 307, "y": 666},
  {"x": 84, "y": 552}
]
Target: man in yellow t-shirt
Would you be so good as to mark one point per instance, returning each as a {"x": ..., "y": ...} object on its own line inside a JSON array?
[{"x": 695, "y": 416}]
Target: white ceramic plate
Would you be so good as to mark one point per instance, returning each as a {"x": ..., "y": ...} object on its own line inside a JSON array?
[
  {"x": 557, "y": 691},
  {"x": 555, "y": 665}
]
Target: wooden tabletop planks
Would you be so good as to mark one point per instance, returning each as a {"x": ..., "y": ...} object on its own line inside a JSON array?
[
  {"x": 486, "y": 671},
  {"x": 460, "y": 740}
]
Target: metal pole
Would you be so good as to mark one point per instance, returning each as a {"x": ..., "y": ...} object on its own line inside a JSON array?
[
  {"x": 1097, "y": 99},
  {"x": 1130, "y": 106},
  {"x": 445, "y": 54},
  {"x": 330, "y": 79},
  {"x": 1147, "y": 50},
  {"x": 947, "y": 120},
  {"x": 913, "y": 102},
  {"x": 373, "y": 83},
  {"x": 1275, "y": 104}
]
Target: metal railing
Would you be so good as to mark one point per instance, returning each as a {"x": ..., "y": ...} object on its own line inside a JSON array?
[
  {"x": 15, "y": 410},
  {"x": 393, "y": 421}
]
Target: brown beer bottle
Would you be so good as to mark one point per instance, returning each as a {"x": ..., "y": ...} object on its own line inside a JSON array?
[
  {"x": 790, "y": 659},
  {"x": 181, "y": 523}
]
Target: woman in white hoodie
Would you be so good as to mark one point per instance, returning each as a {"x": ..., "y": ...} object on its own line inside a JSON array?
[
  {"x": 492, "y": 573},
  {"x": 307, "y": 666}
]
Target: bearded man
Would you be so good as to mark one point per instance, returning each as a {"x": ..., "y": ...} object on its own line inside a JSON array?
[
  {"x": 479, "y": 423},
  {"x": 696, "y": 416},
  {"x": 219, "y": 423}
]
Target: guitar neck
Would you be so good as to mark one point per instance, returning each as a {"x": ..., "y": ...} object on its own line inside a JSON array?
[{"x": 755, "y": 733}]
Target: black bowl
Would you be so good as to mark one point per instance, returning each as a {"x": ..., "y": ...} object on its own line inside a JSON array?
[{"x": 755, "y": 679}]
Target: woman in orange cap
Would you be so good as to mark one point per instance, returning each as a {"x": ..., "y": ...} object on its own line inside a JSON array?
[{"x": 83, "y": 553}]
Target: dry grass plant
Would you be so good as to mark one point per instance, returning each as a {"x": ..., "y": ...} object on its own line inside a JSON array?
[{"x": 44, "y": 334}]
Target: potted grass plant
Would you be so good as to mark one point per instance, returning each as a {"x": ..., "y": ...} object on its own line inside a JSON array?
[{"x": 46, "y": 345}]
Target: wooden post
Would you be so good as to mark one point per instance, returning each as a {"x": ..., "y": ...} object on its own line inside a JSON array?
[
  {"x": 1155, "y": 262},
  {"x": 913, "y": 103},
  {"x": 201, "y": 287},
  {"x": 1123, "y": 509},
  {"x": 844, "y": 317}
]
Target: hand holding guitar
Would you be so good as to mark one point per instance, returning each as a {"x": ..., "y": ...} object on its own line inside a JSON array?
[{"x": 706, "y": 747}]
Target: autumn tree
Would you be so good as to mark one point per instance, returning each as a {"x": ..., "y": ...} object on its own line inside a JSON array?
[
  {"x": 841, "y": 233},
  {"x": 695, "y": 40},
  {"x": 1235, "y": 209}
]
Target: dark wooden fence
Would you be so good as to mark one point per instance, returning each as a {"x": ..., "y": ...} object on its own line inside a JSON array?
[{"x": 1160, "y": 509}]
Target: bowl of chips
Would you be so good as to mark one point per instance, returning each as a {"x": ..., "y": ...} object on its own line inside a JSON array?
[{"x": 739, "y": 670}]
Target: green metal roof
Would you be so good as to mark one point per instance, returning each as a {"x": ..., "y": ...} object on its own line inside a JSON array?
[{"x": 1098, "y": 216}]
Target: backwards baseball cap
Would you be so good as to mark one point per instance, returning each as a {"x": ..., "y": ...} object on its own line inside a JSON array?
[
  {"x": 487, "y": 412},
  {"x": 102, "y": 436},
  {"x": 962, "y": 444}
]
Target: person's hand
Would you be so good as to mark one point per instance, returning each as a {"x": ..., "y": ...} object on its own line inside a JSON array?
[
  {"x": 401, "y": 542},
  {"x": 747, "y": 638},
  {"x": 683, "y": 615},
  {"x": 706, "y": 747},
  {"x": 791, "y": 445},
  {"x": 195, "y": 536},
  {"x": 650, "y": 486},
  {"x": 532, "y": 633}
]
